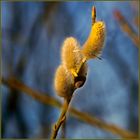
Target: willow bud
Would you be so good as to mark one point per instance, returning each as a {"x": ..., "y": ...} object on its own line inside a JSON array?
[
  {"x": 95, "y": 42},
  {"x": 71, "y": 55},
  {"x": 82, "y": 74},
  {"x": 63, "y": 82}
]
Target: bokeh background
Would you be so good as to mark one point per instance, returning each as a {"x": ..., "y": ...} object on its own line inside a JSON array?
[{"x": 32, "y": 36}]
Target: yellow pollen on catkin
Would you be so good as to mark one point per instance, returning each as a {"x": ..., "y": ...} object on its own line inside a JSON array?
[
  {"x": 95, "y": 42},
  {"x": 63, "y": 82}
]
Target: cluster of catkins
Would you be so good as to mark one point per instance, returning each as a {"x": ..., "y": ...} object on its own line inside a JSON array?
[{"x": 67, "y": 77}]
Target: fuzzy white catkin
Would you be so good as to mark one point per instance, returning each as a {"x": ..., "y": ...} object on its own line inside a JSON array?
[
  {"x": 71, "y": 54},
  {"x": 95, "y": 42},
  {"x": 63, "y": 82}
]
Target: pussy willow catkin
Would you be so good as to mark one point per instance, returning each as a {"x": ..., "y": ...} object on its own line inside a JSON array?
[
  {"x": 71, "y": 55},
  {"x": 63, "y": 82},
  {"x": 95, "y": 42}
]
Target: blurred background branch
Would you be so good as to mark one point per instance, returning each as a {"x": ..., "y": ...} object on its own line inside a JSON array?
[
  {"x": 125, "y": 26},
  {"x": 15, "y": 84}
]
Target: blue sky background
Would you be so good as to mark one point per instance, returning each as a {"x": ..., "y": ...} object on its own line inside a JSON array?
[{"x": 32, "y": 36}]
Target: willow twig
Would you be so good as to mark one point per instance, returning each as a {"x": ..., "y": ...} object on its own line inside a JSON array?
[
  {"x": 63, "y": 133},
  {"x": 65, "y": 107},
  {"x": 44, "y": 98},
  {"x": 61, "y": 118}
]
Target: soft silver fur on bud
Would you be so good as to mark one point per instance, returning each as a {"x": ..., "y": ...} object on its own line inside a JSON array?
[
  {"x": 71, "y": 54},
  {"x": 63, "y": 82}
]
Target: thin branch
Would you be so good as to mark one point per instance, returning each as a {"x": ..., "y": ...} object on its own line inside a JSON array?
[
  {"x": 44, "y": 98},
  {"x": 63, "y": 132},
  {"x": 125, "y": 26},
  {"x": 61, "y": 118},
  {"x": 95, "y": 122},
  {"x": 65, "y": 106}
]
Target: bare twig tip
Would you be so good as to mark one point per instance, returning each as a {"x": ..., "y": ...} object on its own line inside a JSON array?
[{"x": 93, "y": 14}]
